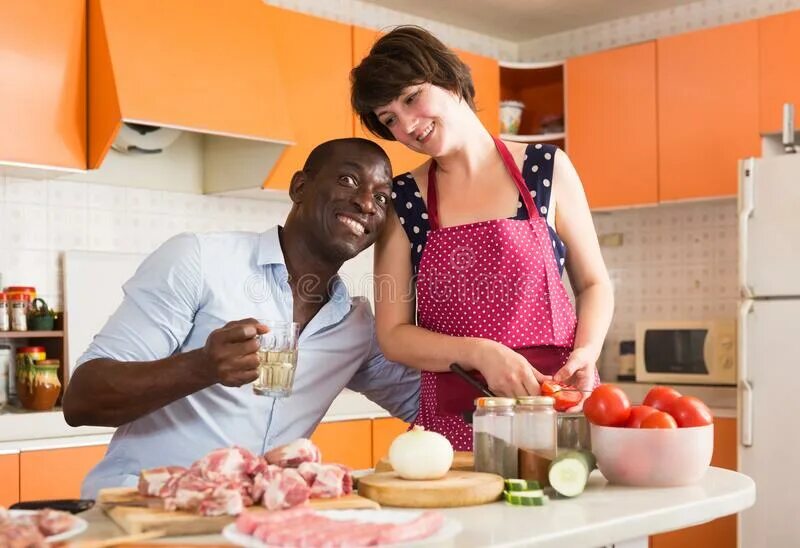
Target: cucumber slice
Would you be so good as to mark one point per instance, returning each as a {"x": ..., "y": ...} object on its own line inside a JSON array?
[
  {"x": 521, "y": 485},
  {"x": 569, "y": 472},
  {"x": 533, "y": 497}
]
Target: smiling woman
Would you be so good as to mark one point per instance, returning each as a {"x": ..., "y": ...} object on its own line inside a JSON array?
[{"x": 482, "y": 228}]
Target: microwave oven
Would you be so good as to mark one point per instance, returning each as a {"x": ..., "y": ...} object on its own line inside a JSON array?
[{"x": 686, "y": 352}]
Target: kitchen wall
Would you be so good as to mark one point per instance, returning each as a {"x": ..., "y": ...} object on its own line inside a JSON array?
[{"x": 676, "y": 261}]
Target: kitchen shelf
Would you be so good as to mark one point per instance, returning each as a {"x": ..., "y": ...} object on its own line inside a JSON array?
[
  {"x": 538, "y": 138},
  {"x": 31, "y": 334}
]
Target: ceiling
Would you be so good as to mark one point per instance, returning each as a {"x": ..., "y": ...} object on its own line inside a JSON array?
[{"x": 522, "y": 20}]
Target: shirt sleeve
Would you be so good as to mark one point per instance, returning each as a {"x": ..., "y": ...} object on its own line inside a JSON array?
[
  {"x": 158, "y": 309},
  {"x": 391, "y": 385}
]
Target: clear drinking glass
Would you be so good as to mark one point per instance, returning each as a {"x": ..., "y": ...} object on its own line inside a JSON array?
[{"x": 277, "y": 359}]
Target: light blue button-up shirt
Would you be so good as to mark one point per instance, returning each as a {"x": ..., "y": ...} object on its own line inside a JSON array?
[{"x": 196, "y": 283}]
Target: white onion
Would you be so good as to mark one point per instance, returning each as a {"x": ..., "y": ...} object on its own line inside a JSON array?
[{"x": 421, "y": 455}]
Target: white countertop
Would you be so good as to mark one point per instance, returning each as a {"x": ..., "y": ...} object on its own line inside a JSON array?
[{"x": 602, "y": 515}]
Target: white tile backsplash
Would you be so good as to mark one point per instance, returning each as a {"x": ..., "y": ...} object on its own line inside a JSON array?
[
  {"x": 677, "y": 261},
  {"x": 39, "y": 220}
]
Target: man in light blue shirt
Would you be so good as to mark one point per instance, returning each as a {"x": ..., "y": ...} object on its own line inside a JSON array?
[{"x": 172, "y": 367}]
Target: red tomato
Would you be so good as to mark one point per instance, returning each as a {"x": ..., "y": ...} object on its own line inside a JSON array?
[
  {"x": 638, "y": 414},
  {"x": 607, "y": 406},
  {"x": 690, "y": 411},
  {"x": 659, "y": 419},
  {"x": 661, "y": 397},
  {"x": 565, "y": 396}
]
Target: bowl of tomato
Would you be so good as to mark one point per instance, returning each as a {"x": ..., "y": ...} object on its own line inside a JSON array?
[{"x": 666, "y": 441}]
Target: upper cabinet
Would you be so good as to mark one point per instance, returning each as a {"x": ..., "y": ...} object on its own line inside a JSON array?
[
  {"x": 535, "y": 92},
  {"x": 707, "y": 110},
  {"x": 315, "y": 75},
  {"x": 43, "y": 84},
  {"x": 779, "y": 44},
  {"x": 485, "y": 76},
  {"x": 611, "y": 125}
]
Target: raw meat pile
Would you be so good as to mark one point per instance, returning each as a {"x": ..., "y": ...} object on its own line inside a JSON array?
[
  {"x": 227, "y": 480},
  {"x": 30, "y": 530},
  {"x": 303, "y": 527}
]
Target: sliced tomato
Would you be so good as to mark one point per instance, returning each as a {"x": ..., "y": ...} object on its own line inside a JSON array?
[
  {"x": 550, "y": 387},
  {"x": 566, "y": 399}
]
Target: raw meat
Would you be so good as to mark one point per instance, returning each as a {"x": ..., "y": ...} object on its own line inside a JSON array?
[
  {"x": 327, "y": 480},
  {"x": 229, "y": 463},
  {"x": 30, "y": 530},
  {"x": 206, "y": 497},
  {"x": 54, "y": 522},
  {"x": 283, "y": 489},
  {"x": 294, "y": 454},
  {"x": 152, "y": 481},
  {"x": 20, "y": 534}
]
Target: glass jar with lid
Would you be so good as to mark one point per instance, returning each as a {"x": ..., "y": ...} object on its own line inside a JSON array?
[
  {"x": 492, "y": 444},
  {"x": 535, "y": 434}
]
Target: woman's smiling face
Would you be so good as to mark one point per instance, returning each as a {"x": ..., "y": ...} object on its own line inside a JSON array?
[{"x": 421, "y": 117}]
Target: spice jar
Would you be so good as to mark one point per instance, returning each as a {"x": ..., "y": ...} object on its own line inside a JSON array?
[
  {"x": 5, "y": 324},
  {"x": 536, "y": 436},
  {"x": 18, "y": 311},
  {"x": 492, "y": 444},
  {"x": 43, "y": 386}
]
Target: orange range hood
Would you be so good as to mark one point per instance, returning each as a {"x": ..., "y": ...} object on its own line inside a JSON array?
[{"x": 201, "y": 66}]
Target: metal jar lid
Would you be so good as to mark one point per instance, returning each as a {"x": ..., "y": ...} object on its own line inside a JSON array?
[
  {"x": 494, "y": 402},
  {"x": 536, "y": 400}
]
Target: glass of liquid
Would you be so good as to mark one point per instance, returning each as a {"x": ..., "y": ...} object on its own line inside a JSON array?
[{"x": 277, "y": 359}]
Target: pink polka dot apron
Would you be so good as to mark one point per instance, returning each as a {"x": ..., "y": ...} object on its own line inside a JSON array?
[{"x": 497, "y": 280}]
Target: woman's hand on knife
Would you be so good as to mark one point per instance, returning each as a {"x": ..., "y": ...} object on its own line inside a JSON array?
[{"x": 506, "y": 372}]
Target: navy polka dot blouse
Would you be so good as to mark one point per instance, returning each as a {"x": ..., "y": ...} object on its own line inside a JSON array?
[{"x": 537, "y": 172}]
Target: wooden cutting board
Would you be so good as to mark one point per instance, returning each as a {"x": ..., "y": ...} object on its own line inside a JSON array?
[
  {"x": 462, "y": 460},
  {"x": 138, "y": 514},
  {"x": 457, "y": 488}
]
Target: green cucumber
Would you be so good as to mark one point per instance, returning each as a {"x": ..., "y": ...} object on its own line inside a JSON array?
[
  {"x": 570, "y": 471},
  {"x": 533, "y": 497},
  {"x": 522, "y": 485}
]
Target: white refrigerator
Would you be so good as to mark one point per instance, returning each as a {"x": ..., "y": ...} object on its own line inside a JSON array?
[{"x": 769, "y": 348}]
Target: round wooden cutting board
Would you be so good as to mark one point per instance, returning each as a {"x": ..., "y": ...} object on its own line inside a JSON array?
[{"x": 457, "y": 488}]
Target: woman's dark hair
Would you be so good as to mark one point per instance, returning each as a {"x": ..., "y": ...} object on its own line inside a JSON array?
[{"x": 407, "y": 56}]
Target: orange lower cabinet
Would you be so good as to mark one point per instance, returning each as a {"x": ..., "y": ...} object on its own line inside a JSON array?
[
  {"x": 9, "y": 479},
  {"x": 346, "y": 442},
  {"x": 384, "y": 431},
  {"x": 720, "y": 533},
  {"x": 56, "y": 473}
]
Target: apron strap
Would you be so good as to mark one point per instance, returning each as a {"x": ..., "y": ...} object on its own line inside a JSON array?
[{"x": 511, "y": 167}]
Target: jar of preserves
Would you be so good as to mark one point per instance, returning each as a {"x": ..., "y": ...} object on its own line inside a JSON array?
[
  {"x": 5, "y": 322},
  {"x": 44, "y": 386},
  {"x": 492, "y": 443},
  {"x": 536, "y": 436}
]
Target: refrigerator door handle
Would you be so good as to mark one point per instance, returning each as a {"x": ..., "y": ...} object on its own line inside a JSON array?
[
  {"x": 746, "y": 209},
  {"x": 746, "y": 388}
]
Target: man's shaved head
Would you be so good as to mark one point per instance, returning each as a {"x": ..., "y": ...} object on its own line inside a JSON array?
[{"x": 324, "y": 152}]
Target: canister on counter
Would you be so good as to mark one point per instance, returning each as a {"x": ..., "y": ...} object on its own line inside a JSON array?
[
  {"x": 492, "y": 443},
  {"x": 535, "y": 436},
  {"x": 19, "y": 301},
  {"x": 5, "y": 322},
  {"x": 6, "y": 375}
]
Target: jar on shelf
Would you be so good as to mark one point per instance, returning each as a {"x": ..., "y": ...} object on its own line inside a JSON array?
[
  {"x": 27, "y": 356},
  {"x": 44, "y": 387},
  {"x": 5, "y": 321},
  {"x": 492, "y": 443},
  {"x": 18, "y": 312},
  {"x": 536, "y": 436}
]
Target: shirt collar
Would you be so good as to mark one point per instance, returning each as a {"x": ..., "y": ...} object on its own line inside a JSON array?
[{"x": 270, "y": 252}]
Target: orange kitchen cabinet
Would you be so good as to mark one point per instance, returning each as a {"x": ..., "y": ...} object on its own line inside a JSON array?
[
  {"x": 485, "y": 75},
  {"x": 721, "y": 532},
  {"x": 346, "y": 442},
  {"x": 384, "y": 431},
  {"x": 9, "y": 479},
  {"x": 56, "y": 473},
  {"x": 315, "y": 75},
  {"x": 779, "y": 79},
  {"x": 707, "y": 110},
  {"x": 43, "y": 75},
  {"x": 611, "y": 124}
]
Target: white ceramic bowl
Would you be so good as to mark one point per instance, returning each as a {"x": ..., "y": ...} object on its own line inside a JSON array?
[{"x": 653, "y": 457}]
